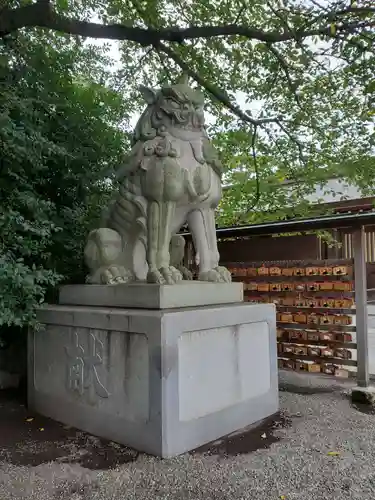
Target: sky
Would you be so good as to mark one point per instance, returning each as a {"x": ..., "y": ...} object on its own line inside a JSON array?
[
  {"x": 254, "y": 107},
  {"x": 115, "y": 54}
]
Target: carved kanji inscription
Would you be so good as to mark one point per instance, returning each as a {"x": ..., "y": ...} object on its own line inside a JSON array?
[{"x": 85, "y": 359}]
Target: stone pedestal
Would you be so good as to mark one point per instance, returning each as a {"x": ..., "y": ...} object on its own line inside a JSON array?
[
  {"x": 149, "y": 296},
  {"x": 163, "y": 381}
]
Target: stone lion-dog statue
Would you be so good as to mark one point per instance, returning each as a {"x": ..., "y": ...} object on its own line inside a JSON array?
[{"x": 172, "y": 176}]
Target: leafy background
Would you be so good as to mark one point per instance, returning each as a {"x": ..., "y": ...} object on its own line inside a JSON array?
[
  {"x": 61, "y": 133},
  {"x": 67, "y": 108}
]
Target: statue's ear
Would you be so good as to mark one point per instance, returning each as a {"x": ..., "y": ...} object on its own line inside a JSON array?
[{"x": 149, "y": 95}]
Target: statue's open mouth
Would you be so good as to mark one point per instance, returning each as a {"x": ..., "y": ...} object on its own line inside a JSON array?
[
  {"x": 190, "y": 126},
  {"x": 192, "y": 122},
  {"x": 187, "y": 120}
]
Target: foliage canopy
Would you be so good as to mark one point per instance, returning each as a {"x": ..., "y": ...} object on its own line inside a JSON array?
[
  {"x": 308, "y": 65},
  {"x": 291, "y": 94},
  {"x": 59, "y": 134}
]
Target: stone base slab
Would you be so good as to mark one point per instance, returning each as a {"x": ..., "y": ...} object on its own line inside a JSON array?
[
  {"x": 162, "y": 382},
  {"x": 150, "y": 296}
]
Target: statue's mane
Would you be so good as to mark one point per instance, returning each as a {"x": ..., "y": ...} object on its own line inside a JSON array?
[
  {"x": 152, "y": 121},
  {"x": 147, "y": 125}
]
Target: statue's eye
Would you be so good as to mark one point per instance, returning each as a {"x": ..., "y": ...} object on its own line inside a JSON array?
[{"x": 173, "y": 104}]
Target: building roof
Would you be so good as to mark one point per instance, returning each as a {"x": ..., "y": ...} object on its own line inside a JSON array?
[{"x": 347, "y": 219}]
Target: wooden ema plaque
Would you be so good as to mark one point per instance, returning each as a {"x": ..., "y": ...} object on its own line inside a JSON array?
[{"x": 315, "y": 308}]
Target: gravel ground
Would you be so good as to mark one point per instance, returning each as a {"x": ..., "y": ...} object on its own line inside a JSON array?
[{"x": 317, "y": 419}]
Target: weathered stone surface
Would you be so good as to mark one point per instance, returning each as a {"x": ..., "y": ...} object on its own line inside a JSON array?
[
  {"x": 171, "y": 176},
  {"x": 160, "y": 381},
  {"x": 152, "y": 296}
]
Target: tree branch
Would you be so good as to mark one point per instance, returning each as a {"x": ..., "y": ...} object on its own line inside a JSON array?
[
  {"x": 162, "y": 58},
  {"x": 218, "y": 94},
  {"x": 296, "y": 142},
  {"x": 242, "y": 216},
  {"x": 284, "y": 65},
  {"x": 41, "y": 14},
  {"x": 224, "y": 99},
  {"x": 240, "y": 12}
]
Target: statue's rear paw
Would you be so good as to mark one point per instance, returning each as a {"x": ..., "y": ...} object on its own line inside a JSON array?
[
  {"x": 164, "y": 276},
  {"x": 186, "y": 273},
  {"x": 218, "y": 275},
  {"x": 224, "y": 273},
  {"x": 111, "y": 275},
  {"x": 176, "y": 274}
]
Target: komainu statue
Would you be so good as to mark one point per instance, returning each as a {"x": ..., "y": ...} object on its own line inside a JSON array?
[{"x": 171, "y": 176}]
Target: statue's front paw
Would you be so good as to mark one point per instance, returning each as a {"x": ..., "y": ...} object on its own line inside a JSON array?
[
  {"x": 164, "y": 276},
  {"x": 218, "y": 275},
  {"x": 111, "y": 275}
]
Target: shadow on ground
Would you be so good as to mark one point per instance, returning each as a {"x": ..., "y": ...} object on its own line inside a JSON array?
[
  {"x": 305, "y": 390},
  {"x": 363, "y": 408},
  {"x": 248, "y": 440},
  {"x": 29, "y": 440}
]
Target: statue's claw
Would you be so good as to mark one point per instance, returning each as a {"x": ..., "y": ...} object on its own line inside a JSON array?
[
  {"x": 113, "y": 275},
  {"x": 218, "y": 275},
  {"x": 224, "y": 273},
  {"x": 164, "y": 276},
  {"x": 186, "y": 274}
]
